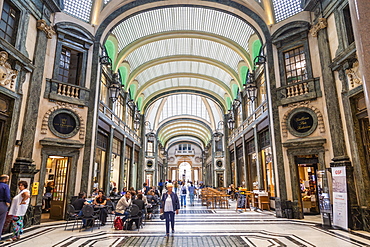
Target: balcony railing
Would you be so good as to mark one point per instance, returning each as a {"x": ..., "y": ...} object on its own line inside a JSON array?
[
  {"x": 118, "y": 122},
  {"x": 299, "y": 91},
  {"x": 65, "y": 92},
  {"x": 253, "y": 117},
  {"x": 185, "y": 152}
]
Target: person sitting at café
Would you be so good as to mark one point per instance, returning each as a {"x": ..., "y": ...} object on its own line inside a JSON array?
[
  {"x": 101, "y": 201},
  {"x": 124, "y": 190},
  {"x": 123, "y": 204},
  {"x": 78, "y": 205},
  {"x": 139, "y": 192},
  {"x": 95, "y": 193},
  {"x": 114, "y": 193},
  {"x": 139, "y": 202}
]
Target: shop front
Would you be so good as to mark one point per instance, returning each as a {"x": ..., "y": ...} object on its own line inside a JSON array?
[
  {"x": 308, "y": 182},
  {"x": 59, "y": 162}
]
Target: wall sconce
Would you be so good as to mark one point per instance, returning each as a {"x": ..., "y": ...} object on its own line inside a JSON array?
[
  {"x": 251, "y": 87},
  {"x": 18, "y": 143},
  {"x": 114, "y": 88},
  {"x": 106, "y": 61},
  {"x": 259, "y": 60},
  {"x": 151, "y": 135}
]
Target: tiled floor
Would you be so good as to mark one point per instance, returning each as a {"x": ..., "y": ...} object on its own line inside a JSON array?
[{"x": 197, "y": 226}]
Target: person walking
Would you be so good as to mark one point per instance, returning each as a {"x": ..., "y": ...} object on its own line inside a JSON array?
[
  {"x": 160, "y": 187},
  {"x": 18, "y": 209},
  {"x": 170, "y": 204},
  {"x": 191, "y": 190},
  {"x": 183, "y": 195},
  {"x": 4, "y": 200}
]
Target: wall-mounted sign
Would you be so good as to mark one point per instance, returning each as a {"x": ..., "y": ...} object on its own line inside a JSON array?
[
  {"x": 302, "y": 122},
  {"x": 219, "y": 163},
  {"x": 149, "y": 164},
  {"x": 64, "y": 123}
]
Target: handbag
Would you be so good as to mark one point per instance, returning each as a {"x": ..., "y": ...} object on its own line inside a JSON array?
[{"x": 161, "y": 216}]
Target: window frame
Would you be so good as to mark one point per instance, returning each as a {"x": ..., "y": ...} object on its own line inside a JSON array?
[
  {"x": 299, "y": 40},
  {"x": 17, "y": 19},
  {"x": 75, "y": 38}
]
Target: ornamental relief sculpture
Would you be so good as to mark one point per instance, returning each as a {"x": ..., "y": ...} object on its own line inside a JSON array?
[
  {"x": 353, "y": 75},
  {"x": 7, "y": 74}
]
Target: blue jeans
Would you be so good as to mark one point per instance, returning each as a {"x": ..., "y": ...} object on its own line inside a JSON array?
[
  {"x": 83, "y": 220},
  {"x": 125, "y": 215},
  {"x": 191, "y": 199},
  {"x": 183, "y": 199},
  {"x": 169, "y": 216}
]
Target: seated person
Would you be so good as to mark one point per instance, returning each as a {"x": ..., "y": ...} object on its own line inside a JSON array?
[
  {"x": 124, "y": 190},
  {"x": 95, "y": 193},
  {"x": 114, "y": 193},
  {"x": 122, "y": 205},
  {"x": 78, "y": 204},
  {"x": 139, "y": 202},
  {"x": 102, "y": 200}
]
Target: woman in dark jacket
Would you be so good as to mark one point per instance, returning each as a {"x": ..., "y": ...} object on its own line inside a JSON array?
[{"x": 170, "y": 204}]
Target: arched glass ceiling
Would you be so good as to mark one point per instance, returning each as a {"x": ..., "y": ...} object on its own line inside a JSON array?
[
  {"x": 82, "y": 8},
  {"x": 180, "y": 19},
  {"x": 184, "y": 105},
  {"x": 184, "y": 67},
  {"x": 184, "y": 46},
  {"x": 184, "y": 82}
]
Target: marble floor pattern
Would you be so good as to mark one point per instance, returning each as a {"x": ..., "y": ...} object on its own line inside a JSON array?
[{"x": 197, "y": 226}]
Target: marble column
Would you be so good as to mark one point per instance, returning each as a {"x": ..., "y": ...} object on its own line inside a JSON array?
[
  {"x": 33, "y": 98},
  {"x": 335, "y": 125},
  {"x": 360, "y": 15},
  {"x": 122, "y": 165}
]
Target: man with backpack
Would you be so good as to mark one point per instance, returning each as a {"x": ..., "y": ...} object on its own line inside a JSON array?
[
  {"x": 183, "y": 193},
  {"x": 191, "y": 190}
]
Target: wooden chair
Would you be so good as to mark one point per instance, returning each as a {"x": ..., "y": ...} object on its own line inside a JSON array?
[{"x": 264, "y": 201}]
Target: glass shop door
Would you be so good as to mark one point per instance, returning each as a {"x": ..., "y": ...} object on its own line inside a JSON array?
[{"x": 60, "y": 179}]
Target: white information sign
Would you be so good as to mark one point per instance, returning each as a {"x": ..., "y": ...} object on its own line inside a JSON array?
[{"x": 340, "y": 207}]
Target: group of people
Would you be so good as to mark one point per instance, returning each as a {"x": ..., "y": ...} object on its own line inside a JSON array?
[{"x": 16, "y": 208}]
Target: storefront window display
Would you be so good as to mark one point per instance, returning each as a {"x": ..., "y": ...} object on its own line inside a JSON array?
[{"x": 307, "y": 171}]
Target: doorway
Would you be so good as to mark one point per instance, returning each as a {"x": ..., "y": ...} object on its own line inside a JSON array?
[
  {"x": 55, "y": 191},
  {"x": 307, "y": 173},
  {"x": 185, "y": 171}
]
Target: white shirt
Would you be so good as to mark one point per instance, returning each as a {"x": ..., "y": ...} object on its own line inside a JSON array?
[
  {"x": 168, "y": 207},
  {"x": 18, "y": 209}
]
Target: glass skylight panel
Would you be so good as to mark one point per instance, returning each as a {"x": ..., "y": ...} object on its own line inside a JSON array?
[
  {"x": 183, "y": 104},
  {"x": 182, "y": 19},
  {"x": 106, "y": 1},
  {"x": 286, "y": 8},
  {"x": 184, "y": 82},
  {"x": 184, "y": 46},
  {"x": 183, "y": 67},
  {"x": 80, "y": 9}
]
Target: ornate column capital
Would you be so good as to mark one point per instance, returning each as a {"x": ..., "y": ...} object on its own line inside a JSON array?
[
  {"x": 41, "y": 25},
  {"x": 321, "y": 24}
]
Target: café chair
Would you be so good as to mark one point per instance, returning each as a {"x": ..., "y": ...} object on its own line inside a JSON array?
[
  {"x": 134, "y": 216},
  {"x": 90, "y": 215},
  {"x": 72, "y": 215},
  {"x": 264, "y": 201},
  {"x": 110, "y": 209}
]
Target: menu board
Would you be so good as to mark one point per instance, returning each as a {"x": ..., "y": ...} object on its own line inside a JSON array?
[{"x": 340, "y": 206}]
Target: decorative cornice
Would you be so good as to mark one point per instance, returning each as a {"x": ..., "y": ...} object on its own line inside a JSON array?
[
  {"x": 7, "y": 74},
  {"x": 321, "y": 24},
  {"x": 41, "y": 25}
]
